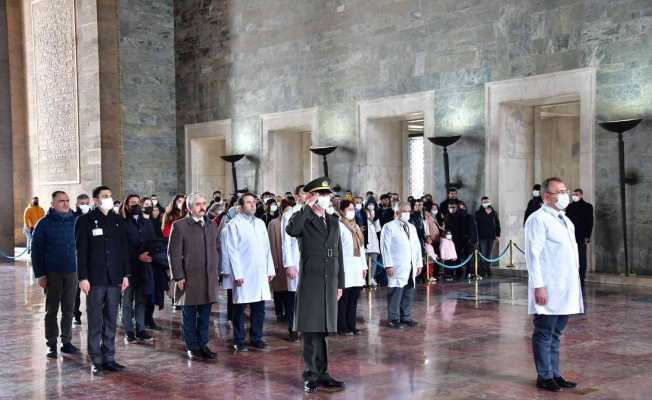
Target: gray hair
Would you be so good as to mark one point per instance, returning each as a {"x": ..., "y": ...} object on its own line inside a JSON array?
[
  {"x": 546, "y": 184},
  {"x": 403, "y": 204},
  {"x": 192, "y": 198}
]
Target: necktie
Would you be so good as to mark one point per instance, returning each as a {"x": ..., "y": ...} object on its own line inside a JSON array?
[
  {"x": 561, "y": 218},
  {"x": 406, "y": 229}
]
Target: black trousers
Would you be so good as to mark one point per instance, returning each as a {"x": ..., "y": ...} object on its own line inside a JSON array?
[
  {"x": 229, "y": 304},
  {"x": 289, "y": 308},
  {"x": 581, "y": 249},
  {"x": 280, "y": 302},
  {"x": 257, "y": 314},
  {"x": 60, "y": 291},
  {"x": 347, "y": 309},
  {"x": 149, "y": 314},
  {"x": 77, "y": 312},
  {"x": 315, "y": 356},
  {"x": 102, "y": 312}
]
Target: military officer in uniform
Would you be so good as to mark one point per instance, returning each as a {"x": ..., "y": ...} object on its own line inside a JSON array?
[{"x": 321, "y": 280}]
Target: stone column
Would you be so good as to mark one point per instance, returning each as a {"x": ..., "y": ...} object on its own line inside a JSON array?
[{"x": 6, "y": 156}]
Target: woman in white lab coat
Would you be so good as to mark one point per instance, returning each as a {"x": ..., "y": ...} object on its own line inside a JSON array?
[{"x": 355, "y": 269}]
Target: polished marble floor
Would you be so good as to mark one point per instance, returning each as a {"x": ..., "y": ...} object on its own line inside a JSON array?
[{"x": 473, "y": 343}]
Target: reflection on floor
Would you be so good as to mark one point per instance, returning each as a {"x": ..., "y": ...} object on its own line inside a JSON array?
[{"x": 467, "y": 347}]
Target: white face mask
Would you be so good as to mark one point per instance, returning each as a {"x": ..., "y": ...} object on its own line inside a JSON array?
[
  {"x": 273, "y": 208},
  {"x": 371, "y": 207},
  {"x": 562, "y": 201},
  {"x": 84, "y": 208},
  {"x": 324, "y": 202},
  {"x": 434, "y": 211},
  {"x": 449, "y": 236},
  {"x": 116, "y": 210},
  {"x": 154, "y": 201},
  {"x": 350, "y": 215},
  {"x": 576, "y": 198},
  {"x": 486, "y": 204},
  {"x": 535, "y": 193},
  {"x": 106, "y": 204},
  {"x": 358, "y": 207},
  {"x": 330, "y": 210},
  {"x": 405, "y": 216}
]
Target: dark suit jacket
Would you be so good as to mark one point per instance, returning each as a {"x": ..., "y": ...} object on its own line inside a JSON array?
[
  {"x": 581, "y": 214},
  {"x": 103, "y": 258}
]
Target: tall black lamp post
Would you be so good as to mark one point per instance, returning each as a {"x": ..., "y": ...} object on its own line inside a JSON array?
[
  {"x": 445, "y": 141},
  {"x": 324, "y": 151},
  {"x": 620, "y": 127},
  {"x": 233, "y": 158}
]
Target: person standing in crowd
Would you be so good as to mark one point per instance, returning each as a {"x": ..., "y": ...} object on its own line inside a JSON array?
[
  {"x": 580, "y": 213},
  {"x": 355, "y": 269},
  {"x": 103, "y": 270},
  {"x": 291, "y": 260},
  {"x": 279, "y": 284},
  {"x": 554, "y": 290},
  {"x": 535, "y": 202},
  {"x": 224, "y": 266},
  {"x": 33, "y": 213},
  {"x": 176, "y": 210},
  {"x": 271, "y": 211},
  {"x": 117, "y": 207},
  {"x": 463, "y": 232},
  {"x": 360, "y": 216},
  {"x": 193, "y": 258},
  {"x": 372, "y": 247},
  {"x": 401, "y": 251},
  {"x": 488, "y": 232},
  {"x": 321, "y": 281},
  {"x": 55, "y": 268},
  {"x": 451, "y": 197},
  {"x": 386, "y": 212},
  {"x": 217, "y": 198},
  {"x": 252, "y": 268},
  {"x": 141, "y": 288},
  {"x": 156, "y": 204},
  {"x": 156, "y": 217},
  {"x": 82, "y": 206}
]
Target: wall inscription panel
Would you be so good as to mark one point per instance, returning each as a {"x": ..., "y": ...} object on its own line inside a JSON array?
[{"x": 55, "y": 81}]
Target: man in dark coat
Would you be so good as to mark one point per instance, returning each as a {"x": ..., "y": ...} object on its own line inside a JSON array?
[
  {"x": 321, "y": 280},
  {"x": 465, "y": 234},
  {"x": 103, "y": 270},
  {"x": 535, "y": 202},
  {"x": 451, "y": 197},
  {"x": 488, "y": 224},
  {"x": 193, "y": 258},
  {"x": 580, "y": 213},
  {"x": 55, "y": 267}
]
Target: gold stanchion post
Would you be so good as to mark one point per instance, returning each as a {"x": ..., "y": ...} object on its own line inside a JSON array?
[
  {"x": 511, "y": 254},
  {"x": 475, "y": 266}
]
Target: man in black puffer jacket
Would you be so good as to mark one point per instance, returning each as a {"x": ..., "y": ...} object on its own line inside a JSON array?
[{"x": 55, "y": 267}]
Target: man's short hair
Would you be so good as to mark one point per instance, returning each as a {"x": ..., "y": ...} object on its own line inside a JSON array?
[
  {"x": 484, "y": 198},
  {"x": 545, "y": 186},
  {"x": 98, "y": 190},
  {"x": 56, "y": 193},
  {"x": 82, "y": 196},
  {"x": 452, "y": 189},
  {"x": 241, "y": 199},
  {"x": 536, "y": 187},
  {"x": 578, "y": 190},
  {"x": 192, "y": 198}
]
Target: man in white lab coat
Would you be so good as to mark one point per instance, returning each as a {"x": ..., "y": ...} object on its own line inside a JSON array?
[
  {"x": 250, "y": 261},
  {"x": 554, "y": 290},
  {"x": 291, "y": 257},
  {"x": 402, "y": 258}
]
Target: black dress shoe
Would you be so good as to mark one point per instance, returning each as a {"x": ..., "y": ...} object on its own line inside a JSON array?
[
  {"x": 259, "y": 344},
  {"x": 52, "y": 353},
  {"x": 113, "y": 366},
  {"x": 563, "y": 383},
  {"x": 69, "y": 348},
  {"x": 410, "y": 322},
  {"x": 152, "y": 326},
  {"x": 329, "y": 382},
  {"x": 310, "y": 386},
  {"x": 131, "y": 337},
  {"x": 356, "y": 332},
  {"x": 293, "y": 337},
  {"x": 208, "y": 354},
  {"x": 240, "y": 348},
  {"x": 548, "y": 384},
  {"x": 144, "y": 337},
  {"x": 77, "y": 321},
  {"x": 97, "y": 370},
  {"x": 395, "y": 325},
  {"x": 194, "y": 355}
]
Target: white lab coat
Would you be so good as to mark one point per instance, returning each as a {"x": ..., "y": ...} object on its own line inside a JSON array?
[
  {"x": 552, "y": 262},
  {"x": 373, "y": 227},
  {"x": 250, "y": 257},
  {"x": 400, "y": 251},
  {"x": 225, "y": 266},
  {"x": 290, "y": 248},
  {"x": 353, "y": 266}
]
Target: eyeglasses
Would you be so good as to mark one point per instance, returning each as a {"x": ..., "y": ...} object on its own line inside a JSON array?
[{"x": 560, "y": 192}]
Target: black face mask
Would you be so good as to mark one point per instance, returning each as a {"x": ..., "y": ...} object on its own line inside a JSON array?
[
  {"x": 148, "y": 210},
  {"x": 35, "y": 202},
  {"x": 134, "y": 210},
  {"x": 217, "y": 199}
]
